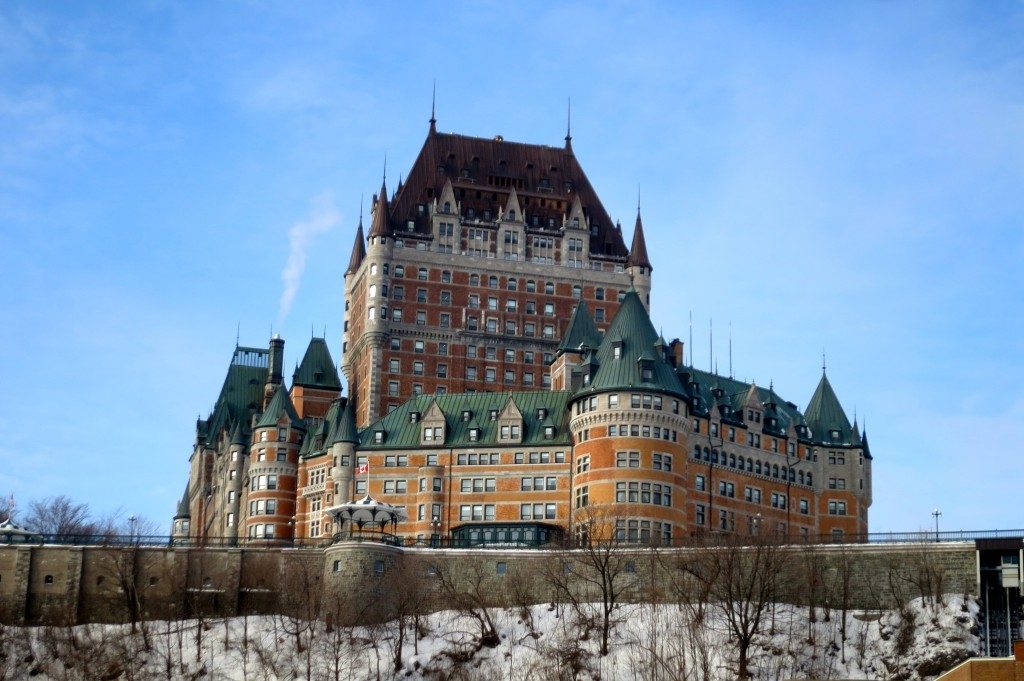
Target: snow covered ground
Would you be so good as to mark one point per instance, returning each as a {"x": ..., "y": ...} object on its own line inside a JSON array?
[{"x": 536, "y": 643}]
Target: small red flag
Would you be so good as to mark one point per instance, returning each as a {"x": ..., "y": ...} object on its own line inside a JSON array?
[{"x": 364, "y": 468}]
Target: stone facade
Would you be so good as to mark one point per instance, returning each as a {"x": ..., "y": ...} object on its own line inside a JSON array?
[{"x": 74, "y": 584}]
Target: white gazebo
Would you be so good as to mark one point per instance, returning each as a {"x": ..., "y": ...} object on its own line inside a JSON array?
[
  {"x": 367, "y": 519},
  {"x": 14, "y": 534}
]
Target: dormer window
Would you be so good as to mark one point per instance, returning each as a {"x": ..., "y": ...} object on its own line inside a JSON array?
[
  {"x": 474, "y": 434},
  {"x": 435, "y": 433},
  {"x": 646, "y": 370},
  {"x": 617, "y": 350},
  {"x": 549, "y": 432},
  {"x": 470, "y": 213},
  {"x": 466, "y": 415},
  {"x": 447, "y": 209},
  {"x": 378, "y": 436},
  {"x": 512, "y": 215},
  {"x": 834, "y": 434},
  {"x": 414, "y": 416},
  {"x": 542, "y": 413},
  {"x": 494, "y": 414}
]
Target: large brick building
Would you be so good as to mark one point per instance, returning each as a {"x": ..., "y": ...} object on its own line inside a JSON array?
[{"x": 506, "y": 384}]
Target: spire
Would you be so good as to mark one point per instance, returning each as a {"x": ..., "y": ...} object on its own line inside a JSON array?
[
  {"x": 638, "y": 251},
  {"x": 183, "y": 511},
  {"x": 379, "y": 222},
  {"x": 568, "y": 126},
  {"x": 433, "y": 102},
  {"x": 358, "y": 247},
  {"x": 581, "y": 331},
  {"x": 280, "y": 405},
  {"x": 317, "y": 368}
]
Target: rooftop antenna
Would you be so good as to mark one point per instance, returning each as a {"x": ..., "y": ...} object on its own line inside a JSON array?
[
  {"x": 711, "y": 344},
  {"x": 730, "y": 349},
  {"x": 238, "y": 332},
  {"x": 433, "y": 103},
  {"x": 691, "y": 337}
]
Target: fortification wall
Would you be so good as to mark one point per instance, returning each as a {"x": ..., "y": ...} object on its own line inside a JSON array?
[{"x": 75, "y": 584}]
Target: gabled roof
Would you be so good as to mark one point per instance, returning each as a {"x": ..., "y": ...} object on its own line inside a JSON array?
[
  {"x": 581, "y": 331},
  {"x": 824, "y": 414},
  {"x": 638, "y": 251},
  {"x": 358, "y": 249},
  {"x": 632, "y": 328},
  {"x": 280, "y": 405},
  {"x": 736, "y": 392},
  {"x": 483, "y": 171},
  {"x": 403, "y": 434},
  {"x": 317, "y": 368}
]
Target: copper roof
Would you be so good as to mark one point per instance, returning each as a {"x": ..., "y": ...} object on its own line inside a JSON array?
[{"x": 484, "y": 171}]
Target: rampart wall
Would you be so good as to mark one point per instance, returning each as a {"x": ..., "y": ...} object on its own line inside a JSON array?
[{"x": 53, "y": 584}]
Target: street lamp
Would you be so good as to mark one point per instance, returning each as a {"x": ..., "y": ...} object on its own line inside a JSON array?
[
  {"x": 936, "y": 513},
  {"x": 435, "y": 529},
  {"x": 131, "y": 526}
]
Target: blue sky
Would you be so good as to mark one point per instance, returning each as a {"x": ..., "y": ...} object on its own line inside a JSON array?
[{"x": 819, "y": 175}]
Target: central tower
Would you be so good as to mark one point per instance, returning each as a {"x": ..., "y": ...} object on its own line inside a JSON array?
[{"x": 472, "y": 269}]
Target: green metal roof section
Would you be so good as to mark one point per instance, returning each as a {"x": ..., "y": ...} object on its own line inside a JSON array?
[
  {"x": 183, "y": 511},
  {"x": 581, "y": 331},
  {"x": 242, "y": 392},
  {"x": 824, "y": 414},
  {"x": 317, "y": 370},
  {"x": 346, "y": 430},
  {"x": 240, "y": 434},
  {"x": 401, "y": 433},
  {"x": 632, "y": 327},
  {"x": 280, "y": 404},
  {"x": 735, "y": 393}
]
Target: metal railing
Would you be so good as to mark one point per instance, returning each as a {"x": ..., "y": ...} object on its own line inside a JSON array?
[{"x": 445, "y": 541}]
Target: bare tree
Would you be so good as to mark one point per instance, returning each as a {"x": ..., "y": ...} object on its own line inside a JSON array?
[
  {"x": 60, "y": 516},
  {"x": 743, "y": 581},
  {"x": 471, "y": 592}
]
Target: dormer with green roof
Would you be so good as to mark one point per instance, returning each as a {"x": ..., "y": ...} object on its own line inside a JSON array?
[
  {"x": 280, "y": 412},
  {"x": 315, "y": 383},
  {"x": 580, "y": 340}
]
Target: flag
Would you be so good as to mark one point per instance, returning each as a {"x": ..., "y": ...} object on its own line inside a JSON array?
[{"x": 363, "y": 468}]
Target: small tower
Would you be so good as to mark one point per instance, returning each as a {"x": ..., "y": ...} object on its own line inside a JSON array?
[
  {"x": 342, "y": 440},
  {"x": 639, "y": 264},
  {"x": 180, "y": 526}
]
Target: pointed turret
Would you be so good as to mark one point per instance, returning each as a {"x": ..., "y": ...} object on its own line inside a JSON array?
[
  {"x": 577, "y": 219},
  {"x": 280, "y": 405},
  {"x": 580, "y": 332},
  {"x": 239, "y": 434},
  {"x": 825, "y": 415},
  {"x": 317, "y": 368},
  {"x": 183, "y": 511},
  {"x": 380, "y": 222},
  {"x": 638, "y": 251},
  {"x": 447, "y": 204},
  {"x": 344, "y": 429},
  {"x": 358, "y": 250}
]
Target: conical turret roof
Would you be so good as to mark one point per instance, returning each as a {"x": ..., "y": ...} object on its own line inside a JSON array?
[
  {"x": 317, "y": 368},
  {"x": 824, "y": 414},
  {"x": 380, "y": 223},
  {"x": 581, "y": 331},
  {"x": 280, "y": 404},
  {"x": 638, "y": 251},
  {"x": 358, "y": 249},
  {"x": 183, "y": 511},
  {"x": 344, "y": 427}
]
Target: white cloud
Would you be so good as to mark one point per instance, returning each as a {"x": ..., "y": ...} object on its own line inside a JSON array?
[{"x": 323, "y": 216}]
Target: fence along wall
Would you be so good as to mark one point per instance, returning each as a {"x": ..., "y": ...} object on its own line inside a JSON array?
[{"x": 77, "y": 584}]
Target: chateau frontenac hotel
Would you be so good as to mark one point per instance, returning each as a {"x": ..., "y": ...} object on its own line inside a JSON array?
[{"x": 506, "y": 385}]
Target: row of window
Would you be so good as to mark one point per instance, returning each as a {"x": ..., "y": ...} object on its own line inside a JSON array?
[
  {"x": 643, "y": 493},
  {"x": 751, "y": 465},
  {"x": 659, "y": 461},
  {"x": 263, "y": 507},
  {"x": 394, "y": 387},
  {"x": 491, "y": 281},
  {"x": 636, "y": 401},
  {"x": 635, "y": 430}
]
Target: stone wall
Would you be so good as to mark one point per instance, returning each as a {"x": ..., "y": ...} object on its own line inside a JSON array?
[{"x": 73, "y": 584}]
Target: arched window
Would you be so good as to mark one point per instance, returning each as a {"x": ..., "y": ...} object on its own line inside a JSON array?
[
  {"x": 801, "y": 476},
  {"x": 696, "y": 451},
  {"x": 599, "y": 294},
  {"x": 732, "y": 461},
  {"x": 447, "y": 207},
  {"x": 474, "y": 280},
  {"x": 775, "y": 471},
  {"x": 577, "y": 291},
  {"x": 492, "y": 281},
  {"x": 512, "y": 214},
  {"x": 740, "y": 462},
  {"x": 757, "y": 468},
  {"x": 750, "y": 465},
  {"x": 714, "y": 456},
  {"x": 707, "y": 454},
  {"x": 513, "y": 284},
  {"x": 810, "y": 478}
]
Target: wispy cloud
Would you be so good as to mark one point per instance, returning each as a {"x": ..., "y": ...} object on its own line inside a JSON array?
[{"x": 323, "y": 215}]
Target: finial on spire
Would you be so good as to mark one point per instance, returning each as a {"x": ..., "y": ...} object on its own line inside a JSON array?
[
  {"x": 433, "y": 103},
  {"x": 638, "y": 198},
  {"x": 385, "y": 178},
  {"x": 361, "y": 198},
  {"x": 568, "y": 124},
  {"x": 238, "y": 333},
  {"x": 823, "y": 361}
]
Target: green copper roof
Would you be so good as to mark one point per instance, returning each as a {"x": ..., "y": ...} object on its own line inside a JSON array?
[
  {"x": 343, "y": 428},
  {"x": 280, "y": 404},
  {"x": 581, "y": 331},
  {"x": 631, "y": 329},
  {"x": 824, "y": 414},
  {"x": 402, "y": 433},
  {"x": 242, "y": 392},
  {"x": 317, "y": 368},
  {"x": 734, "y": 393}
]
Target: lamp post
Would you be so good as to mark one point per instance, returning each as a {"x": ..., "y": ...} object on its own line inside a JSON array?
[
  {"x": 435, "y": 531},
  {"x": 936, "y": 513},
  {"x": 132, "y": 520}
]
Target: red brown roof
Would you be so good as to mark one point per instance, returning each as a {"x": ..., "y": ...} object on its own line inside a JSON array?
[{"x": 484, "y": 171}]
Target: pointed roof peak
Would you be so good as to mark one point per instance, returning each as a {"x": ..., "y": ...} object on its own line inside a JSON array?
[
  {"x": 825, "y": 414},
  {"x": 568, "y": 126},
  {"x": 183, "y": 511},
  {"x": 358, "y": 248},
  {"x": 317, "y": 368},
  {"x": 280, "y": 405},
  {"x": 581, "y": 331},
  {"x": 433, "y": 103},
  {"x": 638, "y": 250},
  {"x": 379, "y": 225}
]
